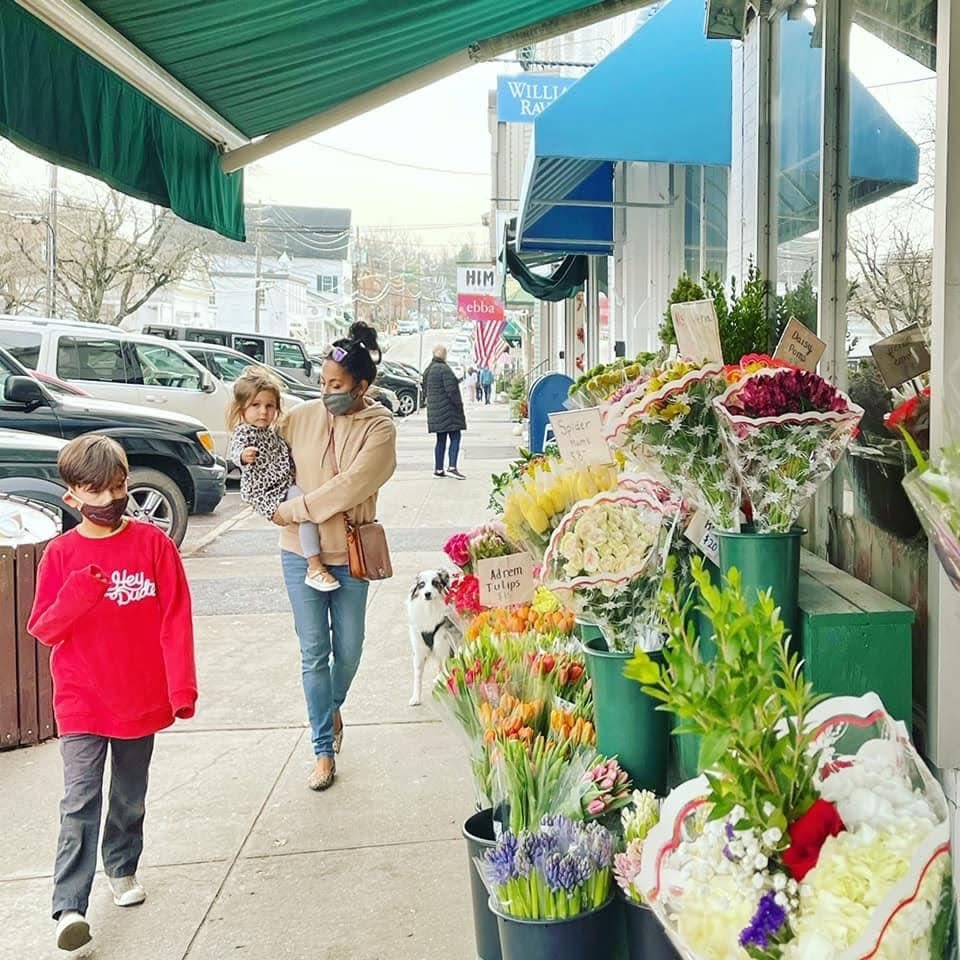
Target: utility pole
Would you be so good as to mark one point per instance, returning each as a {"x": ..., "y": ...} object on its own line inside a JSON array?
[
  {"x": 420, "y": 328},
  {"x": 256, "y": 280},
  {"x": 52, "y": 243}
]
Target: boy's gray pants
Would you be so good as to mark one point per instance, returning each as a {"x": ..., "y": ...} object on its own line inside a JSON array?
[{"x": 84, "y": 758}]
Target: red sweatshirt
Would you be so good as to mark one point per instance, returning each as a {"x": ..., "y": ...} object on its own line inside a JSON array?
[{"x": 122, "y": 659}]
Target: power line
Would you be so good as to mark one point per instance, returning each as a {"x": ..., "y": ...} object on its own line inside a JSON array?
[{"x": 400, "y": 163}]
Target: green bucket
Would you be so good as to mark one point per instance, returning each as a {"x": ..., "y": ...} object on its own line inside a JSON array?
[
  {"x": 766, "y": 561},
  {"x": 629, "y": 726}
]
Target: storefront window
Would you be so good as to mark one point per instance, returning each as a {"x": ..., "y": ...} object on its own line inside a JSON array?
[
  {"x": 705, "y": 220},
  {"x": 797, "y": 121},
  {"x": 889, "y": 242}
]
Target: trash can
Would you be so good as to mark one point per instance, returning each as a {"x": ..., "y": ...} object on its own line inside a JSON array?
[{"x": 26, "y": 688}]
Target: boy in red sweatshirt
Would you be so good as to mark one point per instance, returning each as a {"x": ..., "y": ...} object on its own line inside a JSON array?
[{"x": 113, "y": 601}]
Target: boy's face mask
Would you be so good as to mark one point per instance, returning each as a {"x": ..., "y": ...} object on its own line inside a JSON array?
[{"x": 109, "y": 515}]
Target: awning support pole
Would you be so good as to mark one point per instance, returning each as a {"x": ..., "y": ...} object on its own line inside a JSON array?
[
  {"x": 834, "y": 191},
  {"x": 476, "y": 53},
  {"x": 592, "y": 318},
  {"x": 943, "y": 662}
]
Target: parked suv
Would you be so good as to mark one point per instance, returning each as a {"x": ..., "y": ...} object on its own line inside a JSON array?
[
  {"x": 288, "y": 353},
  {"x": 28, "y": 471},
  {"x": 173, "y": 470},
  {"x": 110, "y": 364}
]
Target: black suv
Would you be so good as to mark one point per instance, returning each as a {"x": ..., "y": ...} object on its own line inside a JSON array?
[{"x": 173, "y": 471}]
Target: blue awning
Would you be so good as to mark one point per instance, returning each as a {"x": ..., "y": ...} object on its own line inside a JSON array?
[
  {"x": 665, "y": 96},
  {"x": 654, "y": 99}
]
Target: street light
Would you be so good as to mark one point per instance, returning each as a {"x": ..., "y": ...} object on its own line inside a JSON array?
[{"x": 36, "y": 220}]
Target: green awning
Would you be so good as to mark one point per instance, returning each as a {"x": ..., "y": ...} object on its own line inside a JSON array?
[
  {"x": 61, "y": 104},
  {"x": 512, "y": 333},
  {"x": 159, "y": 97}
]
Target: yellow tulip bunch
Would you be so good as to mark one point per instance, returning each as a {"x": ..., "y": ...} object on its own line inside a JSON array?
[{"x": 535, "y": 503}]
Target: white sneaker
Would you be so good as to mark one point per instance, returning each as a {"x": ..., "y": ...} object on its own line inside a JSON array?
[
  {"x": 127, "y": 891},
  {"x": 324, "y": 586},
  {"x": 73, "y": 931}
]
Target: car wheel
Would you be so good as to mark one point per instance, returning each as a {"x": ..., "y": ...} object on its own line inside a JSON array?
[
  {"x": 156, "y": 499},
  {"x": 408, "y": 403}
]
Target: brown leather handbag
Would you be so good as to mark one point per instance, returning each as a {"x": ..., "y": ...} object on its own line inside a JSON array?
[{"x": 368, "y": 552}]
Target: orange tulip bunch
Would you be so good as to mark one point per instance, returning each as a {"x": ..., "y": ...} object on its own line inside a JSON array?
[
  {"x": 512, "y": 719},
  {"x": 521, "y": 620},
  {"x": 568, "y": 726}
]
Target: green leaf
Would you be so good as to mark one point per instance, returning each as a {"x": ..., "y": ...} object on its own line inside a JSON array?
[
  {"x": 642, "y": 668},
  {"x": 713, "y": 746}
]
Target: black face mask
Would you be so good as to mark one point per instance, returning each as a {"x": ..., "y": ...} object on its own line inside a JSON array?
[{"x": 109, "y": 515}]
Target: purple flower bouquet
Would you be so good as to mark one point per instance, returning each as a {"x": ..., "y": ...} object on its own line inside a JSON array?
[
  {"x": 560, "y": 870},
  {"x": 784, "y": 431}
]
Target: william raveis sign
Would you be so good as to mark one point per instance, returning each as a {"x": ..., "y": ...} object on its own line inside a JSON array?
[{"x": 521, "y": 99}]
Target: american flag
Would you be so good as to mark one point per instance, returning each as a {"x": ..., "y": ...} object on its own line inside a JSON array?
[{"x": 489, "y": 345}]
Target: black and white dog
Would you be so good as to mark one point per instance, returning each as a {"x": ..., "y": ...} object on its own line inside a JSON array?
[{"x": 432, "y": 631}]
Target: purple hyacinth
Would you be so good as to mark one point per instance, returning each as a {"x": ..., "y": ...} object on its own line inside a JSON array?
[
  {"x": 767, "y": 922},
  {"x": 501, "y": 860},
  {"x": 531, "y": 849},
  {"x": 597, "y": 845},
  {"x": 561, "y": 873}
]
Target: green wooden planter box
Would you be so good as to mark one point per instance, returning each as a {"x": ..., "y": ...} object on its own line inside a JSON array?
[{"x": 855, "y": 639}]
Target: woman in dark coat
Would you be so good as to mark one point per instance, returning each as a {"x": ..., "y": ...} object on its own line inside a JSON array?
[{"x": 445, "y": 416}]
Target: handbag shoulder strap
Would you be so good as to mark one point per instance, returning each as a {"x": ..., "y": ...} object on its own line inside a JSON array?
[{"x": 332, "y": 446}]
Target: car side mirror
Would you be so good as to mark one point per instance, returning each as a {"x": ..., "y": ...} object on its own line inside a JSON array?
[
  {"x": 24, "y": 391},
  {"x": 207, "y": 382}
]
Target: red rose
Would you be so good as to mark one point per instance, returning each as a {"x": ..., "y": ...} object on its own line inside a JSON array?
[{"x": 808, "y": 835}]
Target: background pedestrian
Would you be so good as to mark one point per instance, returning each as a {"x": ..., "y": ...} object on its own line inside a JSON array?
[{"x": 445, "y": 416}]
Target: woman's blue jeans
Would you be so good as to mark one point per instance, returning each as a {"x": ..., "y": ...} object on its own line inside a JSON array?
[{"x": 330, "y": 627}]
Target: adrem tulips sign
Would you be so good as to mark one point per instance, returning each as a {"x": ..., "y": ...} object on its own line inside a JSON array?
[{"x": 505, "y": 581}]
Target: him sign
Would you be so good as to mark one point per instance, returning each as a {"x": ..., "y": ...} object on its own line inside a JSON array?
[
  {"x": 477, "y": 297},
  {"x": 521, "y": 99}
]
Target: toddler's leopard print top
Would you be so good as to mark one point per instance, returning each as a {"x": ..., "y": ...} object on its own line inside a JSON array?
[{"x": 265, "y": 482}]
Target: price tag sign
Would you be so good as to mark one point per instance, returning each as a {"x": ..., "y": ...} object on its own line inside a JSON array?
[
  {"x": 902, "y": 357},
  {"x": 580, "y": 437},
  {"x": 703, "y": 537},
  {"x": 505, "y": 581},
  {"x": 800, "y": 346},
  {"x": 698, "y": 331}
]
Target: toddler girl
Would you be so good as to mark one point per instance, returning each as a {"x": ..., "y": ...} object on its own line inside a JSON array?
[{"x": 266, "y": 466}]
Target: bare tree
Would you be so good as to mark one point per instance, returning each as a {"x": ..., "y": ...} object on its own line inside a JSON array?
[
  {"x": 112, "y": 257},
  {"x": 22, "y": 285},
  {"x": 895, "y": 281}
]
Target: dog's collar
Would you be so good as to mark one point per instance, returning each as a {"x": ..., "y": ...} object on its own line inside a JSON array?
[{"x": 428, "y": 635}]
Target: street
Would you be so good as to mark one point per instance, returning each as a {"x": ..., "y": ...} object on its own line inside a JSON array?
[{"x": 241, "y": 858}]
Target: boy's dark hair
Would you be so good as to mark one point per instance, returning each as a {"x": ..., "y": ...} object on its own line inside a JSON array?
[
  {"x": 363, "y": 352},
  {"x": 93, "y": 462}
]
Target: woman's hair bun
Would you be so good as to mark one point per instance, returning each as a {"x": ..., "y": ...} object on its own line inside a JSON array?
[{"x": 363, "y": 333}]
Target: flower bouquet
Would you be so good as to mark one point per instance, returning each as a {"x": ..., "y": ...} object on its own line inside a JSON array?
[
  {"x": 558, "y": 869},
  {"x": 535, "y": 503},
  {"x": 672, "y": 419},
  {"x": 596, "y": 387},
  {"x": 636, "y": 822},
  {"x": 934, "y": 491},
  {"x": 489, "y": 540},
  {"x": 785, "y": 431},
  {"x": 545, "y": 617},
  {"x": 816, "y": 833},
  {"x": 605, "y": 558}
]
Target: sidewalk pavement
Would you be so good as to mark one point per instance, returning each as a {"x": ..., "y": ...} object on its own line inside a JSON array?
[{"x": 241, "y": 859}]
